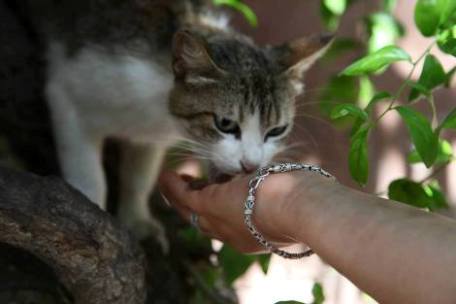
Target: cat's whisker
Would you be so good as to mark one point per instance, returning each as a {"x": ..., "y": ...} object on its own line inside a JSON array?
[
  {"x": 204, "y": 155},
  {"x": 188, "y": 143},
  {"x": 178, "y": 160},
  {"x": 309, "y": 134},
  {"x": 190, "y": 157},
  {"x": 307, "y": 103},
  {"x": 294, "y": 149},
  {"x": 316, "y": 89},
  {"x": 191, "y": 150},
  {"x": 192, "y": 147},
  {"x": 294, "y": 145},
  {"x": 180, "y": 153},
  {"x": 319, "y": 119}
]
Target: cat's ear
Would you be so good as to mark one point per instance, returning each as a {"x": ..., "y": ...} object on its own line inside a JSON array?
[
  {"x": 191, "y": 59},
  {"x": 297, "y": 56}
]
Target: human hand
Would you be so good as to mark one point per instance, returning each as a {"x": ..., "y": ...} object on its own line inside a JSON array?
[{"x": 220, "y": 208}]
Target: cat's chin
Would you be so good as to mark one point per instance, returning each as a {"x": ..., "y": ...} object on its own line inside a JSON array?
[
  {"x": 217, "y": 176},
  {"x": 222, "y": 178}
]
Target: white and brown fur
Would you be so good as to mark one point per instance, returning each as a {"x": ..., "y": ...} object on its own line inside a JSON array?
[{"x": 153, "y": 72}]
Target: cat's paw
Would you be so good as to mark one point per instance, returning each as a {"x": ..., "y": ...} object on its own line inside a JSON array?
[{"x": 144, "y": 227}]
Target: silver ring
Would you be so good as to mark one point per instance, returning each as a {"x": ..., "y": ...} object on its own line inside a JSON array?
[{"x": 194, "y": 220}]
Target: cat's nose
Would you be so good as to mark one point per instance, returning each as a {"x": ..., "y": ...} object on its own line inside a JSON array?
[{"x": 248, "y": 167}]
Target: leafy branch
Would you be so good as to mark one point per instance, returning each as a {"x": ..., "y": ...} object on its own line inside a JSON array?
[
  {"x": 435, "y": 19},
  {"x": 430, "y": 149},
  {"x": 405, "y": 83}
]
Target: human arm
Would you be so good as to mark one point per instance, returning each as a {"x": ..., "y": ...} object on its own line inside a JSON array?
[{"x": 396, "y": 253}]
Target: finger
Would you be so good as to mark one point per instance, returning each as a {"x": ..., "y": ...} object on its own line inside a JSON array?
[
  {"x": 235, "y": 188},
  {"x": 203, "y": 224},
  {"x": 223, "y": 201},
  {"x": 177, "y": 191},
  {"x": 213, "y": 230}
]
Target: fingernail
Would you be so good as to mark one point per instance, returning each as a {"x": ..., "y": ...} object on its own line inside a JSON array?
[{"x": 165, "y": 199}]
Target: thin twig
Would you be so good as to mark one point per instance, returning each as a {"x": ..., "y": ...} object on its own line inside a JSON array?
[
  {"x": 404, "y": 84},
  {"x": 434, "y": 172},
  {"x": 434, "y": 110}
]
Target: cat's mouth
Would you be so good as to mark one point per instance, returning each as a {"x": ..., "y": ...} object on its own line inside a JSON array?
[
  {"x": 217, "y": 176},
  {"x": 214, "y": 177}
]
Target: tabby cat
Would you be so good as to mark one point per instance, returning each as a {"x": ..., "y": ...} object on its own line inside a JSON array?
[{"x": 152, "y": 72}]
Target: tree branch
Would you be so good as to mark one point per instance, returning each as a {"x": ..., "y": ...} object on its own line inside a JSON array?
[{"x": 91, "y": 254}]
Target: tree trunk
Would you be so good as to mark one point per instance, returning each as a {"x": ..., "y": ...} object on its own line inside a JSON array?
[{"x": 92, "y": 255}]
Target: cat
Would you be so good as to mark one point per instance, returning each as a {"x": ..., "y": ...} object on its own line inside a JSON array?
[{"x": 153, "y": 72}]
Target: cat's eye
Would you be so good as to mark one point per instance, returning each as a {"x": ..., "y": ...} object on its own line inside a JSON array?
[
  {"x": 275, "y": 132},
  {"x": 226, "y": 125}
]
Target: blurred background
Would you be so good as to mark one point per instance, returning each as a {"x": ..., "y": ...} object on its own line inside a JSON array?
[{"x": 191, "y": 274}]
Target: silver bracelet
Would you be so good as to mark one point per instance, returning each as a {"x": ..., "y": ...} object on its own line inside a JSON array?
[{"x": 254, "y": 184}]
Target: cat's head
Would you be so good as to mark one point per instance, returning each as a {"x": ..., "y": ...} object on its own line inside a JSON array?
[{"x": 237, "y": 99}]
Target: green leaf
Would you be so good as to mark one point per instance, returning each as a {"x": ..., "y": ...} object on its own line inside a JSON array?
[
  {"x": 289, "y": 302},
  {"x": 427, "y": 17},
  {"x": 264, "y": 260},
  {"x": 209, "y": 274},
  {"x": 414, "y": 194},
  {"x": 376, "y": 61},
  {"x": 444, "y": 154},
  {"x": 234, "y": 264},
  {"x": 424, "y": 139},
  {"x": 449, "y": 122},
  {"x": 347, "y": 109},
  {"x": 357, "y": 124},
  {"x": 194, "y": 241},
  {"x": 318, "y": 294},
  {"x": 389, "y": 5},
  {"x": 358, "y": 156},
  {"x": 243, "y": 8},
  {"x": 330, "y": 20},
  {"x": 434, "y": 15},
  {"x": 340, "y": 89},
  {"x": 366, "y": 91},
  {"x": 432, "y": 75},
  {"x": 337, "y": 7},
  {"x": 376, "y": 98},
  {"x": 414, "y": 157},
  {"x": 447, "y": 10},
  {"x": 383, "y": 30},
  {"x": 415, "y": 86},
  {"x": 437, "y": 197},
  {"x": 408, "y": 192},
  {"x": 339, "y": 47},
  {"x": 446, "y": 40}
]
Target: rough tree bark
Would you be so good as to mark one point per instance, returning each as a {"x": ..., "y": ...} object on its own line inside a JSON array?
[{"x": 91, "y": 254}]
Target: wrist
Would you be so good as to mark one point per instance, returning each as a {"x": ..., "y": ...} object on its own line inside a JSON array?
[
  {"x": 281, "y": 212},
  {"x": 313, "y": 197},
  {"x": 277, "y": 207}
]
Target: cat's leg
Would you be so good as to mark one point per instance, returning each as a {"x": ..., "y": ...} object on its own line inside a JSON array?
[
  {"x": 139, "y": 171},
  {"x": 79, "y": 152}
]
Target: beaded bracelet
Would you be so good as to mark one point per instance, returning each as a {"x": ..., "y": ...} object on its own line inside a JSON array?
[{"x": 254, "y": 184}]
